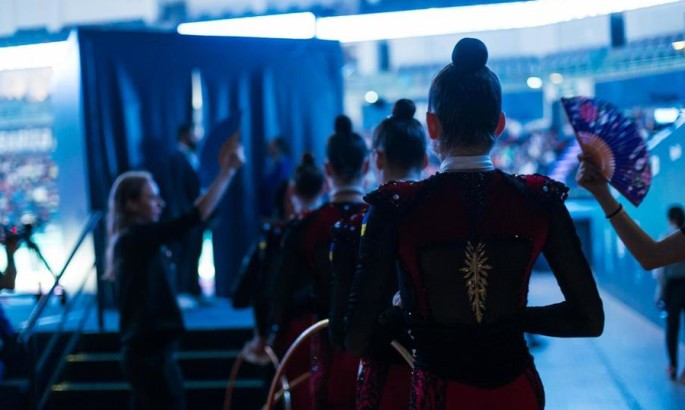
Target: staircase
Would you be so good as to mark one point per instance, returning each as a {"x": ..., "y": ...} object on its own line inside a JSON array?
[{"x": 92, "y": 377}]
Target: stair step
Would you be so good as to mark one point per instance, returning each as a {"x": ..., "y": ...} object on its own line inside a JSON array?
[
  {"x": 200, "y": 395},
  {"x": 123, "y": 386},
  {"x": 196, "y": 339},
  {"x": 14, "y": 394},
  {"x": 195, "y": 365}
]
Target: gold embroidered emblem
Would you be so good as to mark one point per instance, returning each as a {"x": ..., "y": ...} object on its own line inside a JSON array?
[{"x": 476, "y": 276}]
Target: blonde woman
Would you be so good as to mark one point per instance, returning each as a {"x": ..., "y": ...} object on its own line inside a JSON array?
[{"x": 150, "y": 322}]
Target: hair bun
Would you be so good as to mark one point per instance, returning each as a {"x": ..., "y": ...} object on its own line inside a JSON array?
[
  {"x": 307, "y": 158},
  {"x": 343, "y": 125},
  {"x": 469, "y": 54},
  {"x": 404, "y": 109}
]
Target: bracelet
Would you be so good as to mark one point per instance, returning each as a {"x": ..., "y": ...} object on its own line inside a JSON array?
[{"x": 616, "y": 212}]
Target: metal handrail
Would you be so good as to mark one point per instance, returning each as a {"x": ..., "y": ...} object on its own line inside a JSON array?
[
  {"x": 44, "y": 395},
  {"x": 30, "y": 326}
]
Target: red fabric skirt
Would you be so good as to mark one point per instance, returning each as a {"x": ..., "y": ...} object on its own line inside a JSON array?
[
  {"x": 334, "y": 376},
  {"x": 429, "y": 392},
  {"x": 383, "y": 386},
  {"x": 300, "y": 362}
]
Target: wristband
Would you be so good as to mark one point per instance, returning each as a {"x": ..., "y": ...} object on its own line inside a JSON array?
[{"x": 616, "y": 212}]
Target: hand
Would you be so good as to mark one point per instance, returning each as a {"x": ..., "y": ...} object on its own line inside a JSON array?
[
  {"x": 590, "y": 177},
  {"x": 231, "y": 155},
  {"x": 255, "y": 351}
]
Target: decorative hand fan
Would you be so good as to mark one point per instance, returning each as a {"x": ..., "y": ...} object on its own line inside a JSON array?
[{"x": 614, "y": 143}]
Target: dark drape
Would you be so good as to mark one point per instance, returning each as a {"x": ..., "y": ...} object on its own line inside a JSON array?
[{"x": 136, "y": 89}]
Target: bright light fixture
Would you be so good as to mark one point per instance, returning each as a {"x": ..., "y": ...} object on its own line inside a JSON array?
[
  {"x": 293, "y": 25},
  {"x": 678, "y": 45},
  {"x": 41, "y": 55},
  {"x": 556, "y": 78},
  {"x": 468, "y": 19},
  {"x": 534, "y": 82},
  {"x": 666, "y": 115},
  {"x": 371, "y": 97}
]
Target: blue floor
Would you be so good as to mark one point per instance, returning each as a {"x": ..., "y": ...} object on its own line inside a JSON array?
[{"x": 622, "y": 369}]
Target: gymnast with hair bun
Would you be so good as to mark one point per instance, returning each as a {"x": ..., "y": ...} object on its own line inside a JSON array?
[
  {"x": 297, "y": 196},
  {"x": 461, "y": 245},
  {"x": 302, "y": 285},
  {"x": 399, "y": 154}
]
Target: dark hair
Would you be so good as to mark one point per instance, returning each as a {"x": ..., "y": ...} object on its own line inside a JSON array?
[
  {"x": 401, "y": 137},
  {"x": 676, "y": 214},
  {"x": 282, "y": 145},
  {"x": 308, "y": 177},
  {"x": 184, "y": 129},
  {"x": 346, "y": 150},
  {"x": 467, "y": 97}
]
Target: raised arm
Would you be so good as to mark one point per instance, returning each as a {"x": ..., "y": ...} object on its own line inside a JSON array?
[
  {"x": 152, "y": 235},
  {"x": 650, "y": 253},
  {"x": 231, "y": 157},
  {"x": 581, "y": 313},
  {"x": 372, "y": 285}
]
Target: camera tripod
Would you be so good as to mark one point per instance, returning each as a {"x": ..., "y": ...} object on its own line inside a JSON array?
[{"x": 35, "y": 249}]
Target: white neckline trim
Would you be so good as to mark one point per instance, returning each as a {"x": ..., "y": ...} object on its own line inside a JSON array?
[{"x": 467, "y": 163}]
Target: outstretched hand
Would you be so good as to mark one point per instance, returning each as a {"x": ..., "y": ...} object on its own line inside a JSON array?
[
  {"x": 255, "y": 352},
  {"x": 231, "y": 155},
  {"x": 590, "y": 176}
]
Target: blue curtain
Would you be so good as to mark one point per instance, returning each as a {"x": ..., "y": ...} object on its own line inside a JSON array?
[{"x": 136, "y": 91}]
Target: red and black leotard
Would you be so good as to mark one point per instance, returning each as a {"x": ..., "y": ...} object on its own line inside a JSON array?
[
  {"x": 303, "y": 287},
  {"x": 464, "y": 244},
  {"x": 383, "y": 382}
]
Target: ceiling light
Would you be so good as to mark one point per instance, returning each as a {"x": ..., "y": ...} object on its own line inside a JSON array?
[
  {"x": 534, "y": 82},
  {"x": 293, "y": 25},
  {"x": 42, "y": 55}
]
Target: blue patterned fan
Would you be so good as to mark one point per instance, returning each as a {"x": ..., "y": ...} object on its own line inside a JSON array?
[{"x": 615, "y": 144}]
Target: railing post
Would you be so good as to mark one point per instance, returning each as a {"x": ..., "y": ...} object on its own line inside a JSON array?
[{"x": 100, "y": 248}]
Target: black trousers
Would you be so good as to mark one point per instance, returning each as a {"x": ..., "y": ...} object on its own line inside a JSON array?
[
  {"x": 675, "y": 304},
  {"x": 155, "y": 377}
]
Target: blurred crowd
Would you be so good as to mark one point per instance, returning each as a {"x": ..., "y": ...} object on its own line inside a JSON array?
[{"x": 28, "y": 187}]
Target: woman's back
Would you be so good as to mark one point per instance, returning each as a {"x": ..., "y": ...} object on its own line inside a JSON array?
[
  {"x": 465, "y": 244},
  {"x": 471, "y": 241}
]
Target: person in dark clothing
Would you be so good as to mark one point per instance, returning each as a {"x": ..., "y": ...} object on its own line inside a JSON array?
[
  {"x": 279, "y": 171},
  {"x": 671, "y": 291},
  {"x": 302, "y": 285},
  {"x": 293, "y": 198},
  {"x": 462, "y": 244},
  {"x": 399, "y": 152},
  {"x": 7, "y": 281},
  {"x": 139, "y": 260},
  {"x": 184, "y": 187}
]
